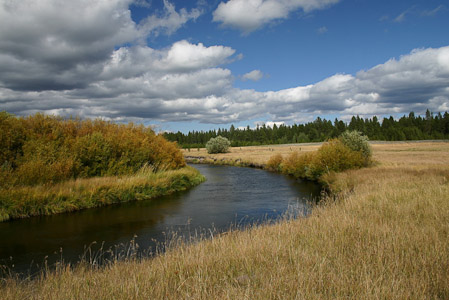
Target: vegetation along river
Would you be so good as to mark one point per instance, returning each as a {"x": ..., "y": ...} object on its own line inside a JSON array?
[{"x": 230, "y": 196}]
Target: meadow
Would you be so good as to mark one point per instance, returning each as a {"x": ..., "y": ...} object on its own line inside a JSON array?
[{"x": 381, "y": 233}]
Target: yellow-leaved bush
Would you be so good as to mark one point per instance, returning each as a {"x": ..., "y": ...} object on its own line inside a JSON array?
[
  {"x": 43, "y": 149},
  {"x": 332, "y": 156}
]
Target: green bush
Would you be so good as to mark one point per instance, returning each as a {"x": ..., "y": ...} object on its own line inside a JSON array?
[
  {"x": 218, "y": 145},
  {"x": 358, "y": 142}
]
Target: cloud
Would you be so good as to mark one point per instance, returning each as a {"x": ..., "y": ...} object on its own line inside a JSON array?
[
  {"x": 81, "y": 60},
  {"x": 433, "y": 12},
  {"x": 401, "y": 17},
  {"x": 416, "y": 81},
  {"x": 384, "y": 18},
  {"x": 413, "y": 10},
  {"x": 142, "y": 3},
  {"x": 322, "y": 30},
  {"x": 254, "y": 75},
  {"x": 169, "y": 21},
  {"x": 69, "y": 59},
  {"x": 250, "y": 15},
  {"x": 54, "y": 45},
  {"x": 266, "y": 123},
  {"x": 185, "y": 56}
]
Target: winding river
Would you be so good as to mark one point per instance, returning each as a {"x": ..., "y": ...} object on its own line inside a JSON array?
[{"x": 231, "y": 196}]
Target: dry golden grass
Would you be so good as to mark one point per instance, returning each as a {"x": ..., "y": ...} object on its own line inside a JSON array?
[
  {"x": 71, "y": 195},
  {"x": 389, "y": 153},
  {"x": 384, "y": 237},
  {"x": 415, "y": 155},
  {"x": 253, "y": 154}
]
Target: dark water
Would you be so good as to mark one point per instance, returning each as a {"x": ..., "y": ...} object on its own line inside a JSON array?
[{"x": 231, "y": 195}]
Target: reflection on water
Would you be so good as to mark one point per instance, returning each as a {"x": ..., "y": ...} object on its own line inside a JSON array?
[{"x": 230, "y": 195}]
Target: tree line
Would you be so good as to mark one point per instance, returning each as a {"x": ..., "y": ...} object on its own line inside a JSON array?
[{"x": 408, "y": 127}]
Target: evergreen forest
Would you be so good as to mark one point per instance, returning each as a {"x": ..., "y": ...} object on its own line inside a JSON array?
[{"x": 408, "y": 127}]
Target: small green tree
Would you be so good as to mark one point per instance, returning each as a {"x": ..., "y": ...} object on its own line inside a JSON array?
[
  {"x": 218, "y": 145},
  {"x": 358, "y": 142}
]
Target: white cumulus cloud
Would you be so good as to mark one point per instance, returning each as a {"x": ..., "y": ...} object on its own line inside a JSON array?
[
  {"x": 185, "y": 56},
  {"x": 74, "y": 58},
  {"x": 249, "y": 15},
  {"x": 254, "y": 75},
  {"x": 271, "y": 124}
]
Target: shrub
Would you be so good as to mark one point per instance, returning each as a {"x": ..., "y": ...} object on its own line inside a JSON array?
[
  {"x": 43, "y": 149},
  {"x": 296, "y": 164},
  {"x": 274, "y": 163},
  {"x": 333, "y": 156},
  {"x": 358, "y": 142},
  {"x": 218, "y": 145}
]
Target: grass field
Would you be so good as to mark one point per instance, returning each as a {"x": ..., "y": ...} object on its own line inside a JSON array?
[
  {"x": 252, "y": 154},
  {"x": 418, "y": 154},
  {"x": 383, "y": 234}
]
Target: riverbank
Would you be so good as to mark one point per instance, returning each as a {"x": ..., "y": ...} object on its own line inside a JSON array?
[
  {"x": 382, "y": 234},
  {"x": 27, "y": 201}
]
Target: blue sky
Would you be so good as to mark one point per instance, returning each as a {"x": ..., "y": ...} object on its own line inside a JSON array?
[
  {"x": 199, "y": 65},
  {"x": 303, "y": 49}
]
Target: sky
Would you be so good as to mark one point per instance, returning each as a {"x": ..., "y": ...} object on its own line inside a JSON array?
[{"x": 184, "y": 65}]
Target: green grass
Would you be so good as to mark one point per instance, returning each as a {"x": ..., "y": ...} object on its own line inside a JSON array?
[{"x": 25, "y": 201}]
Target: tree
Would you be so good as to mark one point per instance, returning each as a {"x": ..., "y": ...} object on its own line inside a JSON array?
[
  {"x": 428, "y": 123},
  {"x": 218, "y": 145}
]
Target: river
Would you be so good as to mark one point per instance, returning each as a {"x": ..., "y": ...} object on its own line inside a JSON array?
[{"x": 230, "y": 196}]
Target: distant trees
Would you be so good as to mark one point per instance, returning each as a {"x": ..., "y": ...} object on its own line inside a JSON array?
[
  {"x": 408, "y": 127},
  {"x": 218, "y": 145}
]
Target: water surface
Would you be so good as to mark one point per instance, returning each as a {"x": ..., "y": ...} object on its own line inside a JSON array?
[{"x": 231, "y": 195}]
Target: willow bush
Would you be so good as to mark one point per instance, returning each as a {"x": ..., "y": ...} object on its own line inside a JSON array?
[
  {"x": 218, "y": 145},
  {"x": 274, "y": 163},
  {"x": 43, "y": 149},
  {"x": 333, "y": 156},
  {"x": 357, "y": 142},
  {"x": 350, "y": 151}
]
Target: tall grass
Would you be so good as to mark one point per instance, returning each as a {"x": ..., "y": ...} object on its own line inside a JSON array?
[
  {"x": 382, "y": 235},
  {"x": 51, "y": 165},
  {"x": 26, "y": 201}
]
